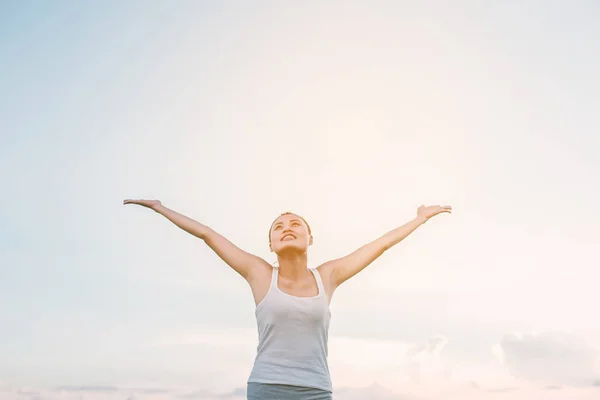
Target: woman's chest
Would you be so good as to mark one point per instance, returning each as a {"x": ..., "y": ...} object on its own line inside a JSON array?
[{"x": 282, "y": 309}]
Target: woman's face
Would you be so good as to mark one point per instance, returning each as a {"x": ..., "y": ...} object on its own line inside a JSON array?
[{"x": 289, "y": 233}]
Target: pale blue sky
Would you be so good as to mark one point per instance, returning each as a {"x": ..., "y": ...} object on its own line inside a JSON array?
[{"x": 233, "y": 112}]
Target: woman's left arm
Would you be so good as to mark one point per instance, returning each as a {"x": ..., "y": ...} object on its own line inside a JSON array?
[{"x": 342, "y": 269}]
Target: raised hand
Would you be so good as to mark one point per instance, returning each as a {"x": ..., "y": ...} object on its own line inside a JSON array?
[
  {"x": 152, "y": 204},
  {"x": 430, "y": 211}
]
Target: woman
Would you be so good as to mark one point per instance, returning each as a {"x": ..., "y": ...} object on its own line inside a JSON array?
[{"x": 292, "y": 301}]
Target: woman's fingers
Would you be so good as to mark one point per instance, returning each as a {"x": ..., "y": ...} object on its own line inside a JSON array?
[
  {"x": 129, "y": 201},
  {"x": 144, "y": 203},
  {"x": 447, "y": 209}
]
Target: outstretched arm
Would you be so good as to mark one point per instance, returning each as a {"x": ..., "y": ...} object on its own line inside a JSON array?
[
  {"x": 242, "y": 262},
  {"x": 342, "y": 269}
]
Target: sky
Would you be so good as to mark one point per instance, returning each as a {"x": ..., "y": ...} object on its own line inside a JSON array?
[{"x": 351, "y": 115}]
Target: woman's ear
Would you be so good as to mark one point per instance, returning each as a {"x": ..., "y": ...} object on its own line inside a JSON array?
[{"x": 310, "y": 242}]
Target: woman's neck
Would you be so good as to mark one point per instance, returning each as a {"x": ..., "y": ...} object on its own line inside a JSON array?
[{"x": 293, "y": 266}]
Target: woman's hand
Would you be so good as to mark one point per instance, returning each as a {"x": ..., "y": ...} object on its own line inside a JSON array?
[
  {"x": 427, "y": 212},
  {"x": 151, "y": 204}
]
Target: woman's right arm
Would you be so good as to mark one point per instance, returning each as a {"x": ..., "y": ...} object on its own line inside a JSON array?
[{"x": 241, "y": 261}]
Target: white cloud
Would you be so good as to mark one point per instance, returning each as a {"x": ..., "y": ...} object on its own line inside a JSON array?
[
  {"x": 553, "y": 356},
  {"x": 360, "y": 361},
  {"x": 425, "y": 361}
]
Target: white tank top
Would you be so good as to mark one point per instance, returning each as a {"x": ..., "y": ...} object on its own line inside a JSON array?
[{"x": 292, "y": 338}]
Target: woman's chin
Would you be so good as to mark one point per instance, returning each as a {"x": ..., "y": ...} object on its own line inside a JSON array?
[{"x": 291, "y": 248}]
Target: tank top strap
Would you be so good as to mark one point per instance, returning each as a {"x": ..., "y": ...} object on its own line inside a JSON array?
[
  {"x": 319, "y": 280},
  {"x": 274, "y": 274}
]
